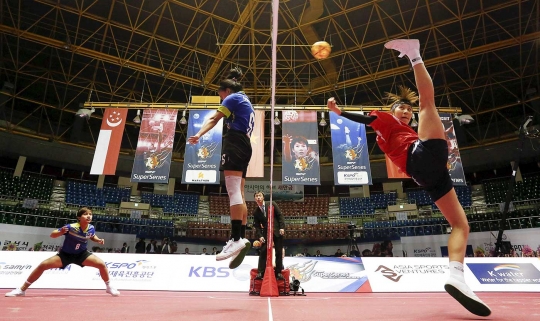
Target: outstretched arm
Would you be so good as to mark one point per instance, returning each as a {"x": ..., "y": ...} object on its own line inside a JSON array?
[
  {"x": 332, "y": 106},
  {"x": 208, "y": 125}
]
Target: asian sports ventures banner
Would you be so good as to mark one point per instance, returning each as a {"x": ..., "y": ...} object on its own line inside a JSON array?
[
  {"x": 256, "y": 164},
  {"x": 153, "y": 156},
  {"x": 454, "y": 159},
  {"x": 201, "y": 161},
  {"x": 349, "y": 152},
  {"x": 300, "y": 148}
]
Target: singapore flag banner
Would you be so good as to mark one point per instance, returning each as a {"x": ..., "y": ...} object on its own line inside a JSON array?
[{"x": 109, "y": 140}]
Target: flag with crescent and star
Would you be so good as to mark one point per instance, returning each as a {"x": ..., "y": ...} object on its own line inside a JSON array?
[{"x": 109, "y": 140}]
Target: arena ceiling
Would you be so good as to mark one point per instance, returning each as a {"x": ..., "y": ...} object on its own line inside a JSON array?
[{"x": 58, "y": 54}]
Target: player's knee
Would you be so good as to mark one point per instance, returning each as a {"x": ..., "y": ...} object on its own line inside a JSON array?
[{"x": 234, "y": 189}]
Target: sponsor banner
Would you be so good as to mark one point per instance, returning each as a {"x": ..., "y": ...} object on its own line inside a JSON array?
[
  {"x": 109, "y": 141},
  {"x": 181, "y": 273},
  {"x": 300, "y": 157},
  {"x": 430, "y": 274},
  {"x": 153, "y": 156},
  {"x": 280, "y": 191},
  {"x": 387, "y": 274},
  {"x": 256, "y": 164},
  {"x": 503, "y": 274},
  {"x": 455, "y": 167},
  {"x": 31, "y": 238},
  {"x": 349, "y": 152},
  {"x": 201, "y": 161},
  {"x": 479, "y": 243}
]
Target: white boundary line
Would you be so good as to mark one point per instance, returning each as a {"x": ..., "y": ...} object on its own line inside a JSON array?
[{"x": 270, "y": 317}]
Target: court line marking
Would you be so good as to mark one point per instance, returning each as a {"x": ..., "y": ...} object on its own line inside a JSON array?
[{"x": 270, "y": 317}]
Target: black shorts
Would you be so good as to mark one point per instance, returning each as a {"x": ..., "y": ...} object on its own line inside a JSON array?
[
  {"x": 68, "y": 258},
  {"x": 236, "y": 152},
  {"x": 427, "y": 165}
]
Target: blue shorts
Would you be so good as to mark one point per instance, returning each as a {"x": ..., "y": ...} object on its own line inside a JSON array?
[{"x": 427, "y": 165}]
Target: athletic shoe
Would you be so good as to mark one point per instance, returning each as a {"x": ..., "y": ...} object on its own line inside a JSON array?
[
  {"x": 231, "y": 248},
  {"x": 237, "y": 259},
  {"x": 463, "y": 294},
  {"x": 112, "y": 291},
  {"x": 406, "y": 47},
  {"x": 16, "y": 292}
]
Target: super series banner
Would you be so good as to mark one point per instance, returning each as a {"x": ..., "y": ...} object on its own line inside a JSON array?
[
  {"x": 153, "y": 156},
  {"x": 201, "y": 161},
  {"x": 455, "y": 167},
  {"x": 349, "y": 152},
  {"x": 300, "y": 157}
]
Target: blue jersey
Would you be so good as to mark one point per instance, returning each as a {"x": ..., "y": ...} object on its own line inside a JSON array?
[
  {"x": 76, "y": 239},
  {"x": 239, "y": 112}
]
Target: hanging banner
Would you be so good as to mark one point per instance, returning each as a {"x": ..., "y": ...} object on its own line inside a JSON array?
[
  {"x": 455, "y": 167},
  {"x": 109, "y": 141},
  {"x": 256, "y": 164},
  {"x": 300, "y": 157},
  {"x": 349, "y": 152},
  {"x": 201, "y": 161},
  {"x": 280, "y": 191},
  {"x": 154, "y": 149}
]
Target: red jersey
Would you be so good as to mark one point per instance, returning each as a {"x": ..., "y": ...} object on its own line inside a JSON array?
[{"x": 393, "y": 137}]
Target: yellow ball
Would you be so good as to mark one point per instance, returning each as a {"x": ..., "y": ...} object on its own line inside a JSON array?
[
  {"x": 321, "y": 49},
  {"x": 256, "y": 244}
]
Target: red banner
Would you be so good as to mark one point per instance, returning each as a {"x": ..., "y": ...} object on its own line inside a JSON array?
[{"x": 109, "y": 140}]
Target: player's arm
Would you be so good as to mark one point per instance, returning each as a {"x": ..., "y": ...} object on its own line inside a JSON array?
[
  {"x": 59, "y": 232},
  {"x": 363, "y": 119},
  {"x": 208, "y": 125},
  {"x": 97, "y": 239}
]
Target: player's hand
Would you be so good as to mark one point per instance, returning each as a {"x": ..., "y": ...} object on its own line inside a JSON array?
[
  {"x": 287, "y": 139},
  {"x": 64, "y": 229},
  {"x": 101, "y": 241},
  {"x": 281, "y": 231},
  {"x": 262, "y": 239},
  {"x": 193, "y": 139},
  {"x": 331, "y": 104}
]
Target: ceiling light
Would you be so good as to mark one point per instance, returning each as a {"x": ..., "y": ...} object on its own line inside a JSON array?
[
  {"x": 276, "y": 119},
  {"x": 85, "y": 112},
  {"x": 464, "y": 119},
  {"x": 137, "y": 119},
  {"x": 323, "y": 121},
  {"x": 183, "y": 120}
]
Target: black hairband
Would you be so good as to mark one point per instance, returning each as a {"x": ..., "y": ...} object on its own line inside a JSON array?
[{"x": 401, "y": 102}]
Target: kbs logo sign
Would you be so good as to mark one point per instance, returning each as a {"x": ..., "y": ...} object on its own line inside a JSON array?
[
  {"x": 493, "y": 273},
  {"x": 208, "y": 272}
]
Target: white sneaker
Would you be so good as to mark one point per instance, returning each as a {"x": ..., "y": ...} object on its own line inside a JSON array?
[
  {"x": 16, "y": 292},
  {"x": 231, "y": 248},
  {"x": 466, "y": 297},
  {"x": 112, "y": 291},
  {"x": 404, "y": 46},
  {"x": 237, "y": 259}
]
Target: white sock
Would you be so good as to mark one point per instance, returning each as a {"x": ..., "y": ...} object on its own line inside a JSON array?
[
  {"x": 456, "y": 271},
  {"x": 414, "y": 57}
]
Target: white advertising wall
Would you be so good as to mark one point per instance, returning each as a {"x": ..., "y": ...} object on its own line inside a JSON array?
[
  {"x": 204, "y": 273},
  {"x": 429, "y": 274}
]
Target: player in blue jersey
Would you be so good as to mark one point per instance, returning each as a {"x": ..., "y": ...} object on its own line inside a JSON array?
[
  {"x": 73, "y": 251},
  {"x": 236, "y": 153}
]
